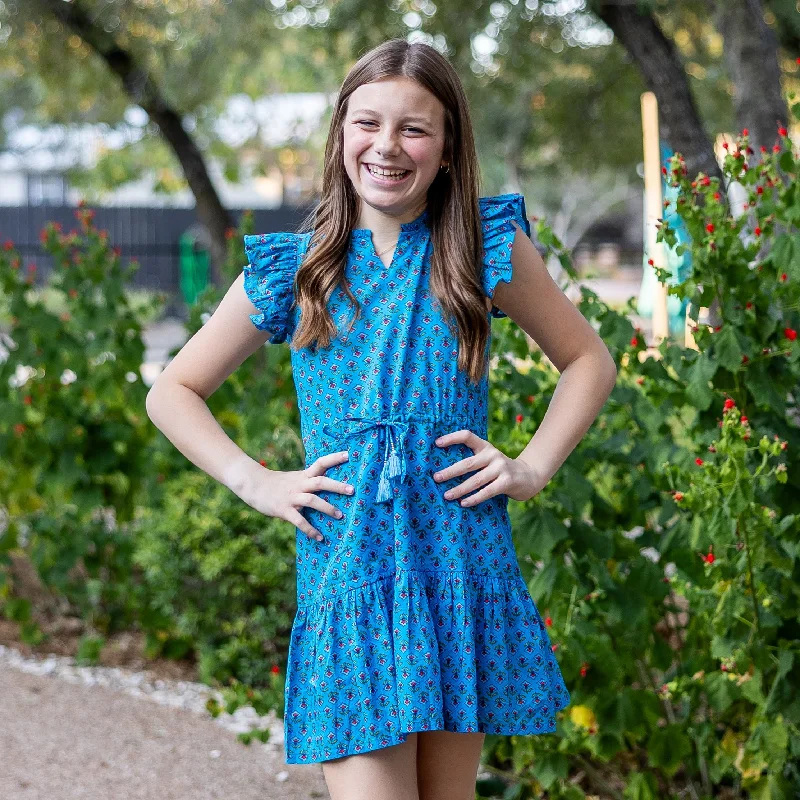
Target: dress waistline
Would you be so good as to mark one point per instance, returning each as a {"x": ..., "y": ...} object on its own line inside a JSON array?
[{"x": 395, "y": 430}]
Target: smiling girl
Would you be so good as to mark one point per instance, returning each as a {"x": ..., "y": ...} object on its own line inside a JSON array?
[{"x": 415, "y": 633}]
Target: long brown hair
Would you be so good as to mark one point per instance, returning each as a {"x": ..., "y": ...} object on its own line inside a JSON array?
[{"x": 454, "y": 214}]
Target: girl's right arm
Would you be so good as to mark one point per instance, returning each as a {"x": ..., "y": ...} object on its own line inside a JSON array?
[{"x": 176, "y": 404}]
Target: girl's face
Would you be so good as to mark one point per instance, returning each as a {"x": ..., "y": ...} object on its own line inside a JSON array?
[{"x": 394, "y": 125}]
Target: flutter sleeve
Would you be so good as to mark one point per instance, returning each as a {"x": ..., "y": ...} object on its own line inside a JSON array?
[
  {"x": 273, "y": 259},
  {"x": 497, "y": 214}
]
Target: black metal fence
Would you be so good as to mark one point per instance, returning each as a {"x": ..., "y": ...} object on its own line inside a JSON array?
[{"x": 149, "y": 235}]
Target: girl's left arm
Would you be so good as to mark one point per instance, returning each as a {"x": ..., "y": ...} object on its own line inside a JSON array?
[{"x": 533, "y": 300}]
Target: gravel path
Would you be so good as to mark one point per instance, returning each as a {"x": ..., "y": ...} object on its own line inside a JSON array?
[{"x": 103, "y": 733}]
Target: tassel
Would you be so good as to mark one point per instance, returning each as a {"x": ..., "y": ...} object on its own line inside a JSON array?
[
  {"x": 394, "y": 464},
  {"x": 383, "y": 487}
]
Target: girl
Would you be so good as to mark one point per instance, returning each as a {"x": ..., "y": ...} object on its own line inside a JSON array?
[{"x": 415, "y": 633}]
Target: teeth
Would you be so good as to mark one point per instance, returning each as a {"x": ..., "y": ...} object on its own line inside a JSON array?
[{"x": 386, "y": 174}]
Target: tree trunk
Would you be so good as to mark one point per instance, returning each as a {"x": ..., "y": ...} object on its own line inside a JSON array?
[
  {"x": 141, "y": 88},
  {"x": 751, "y": 55},
  {"x": 663, "y": 72}
]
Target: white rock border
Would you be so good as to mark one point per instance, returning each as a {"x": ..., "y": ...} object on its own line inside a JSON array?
[{"x": 187, "y": 695}]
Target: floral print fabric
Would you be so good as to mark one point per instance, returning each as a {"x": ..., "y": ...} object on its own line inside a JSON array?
[{"x": 412, "y": 612}]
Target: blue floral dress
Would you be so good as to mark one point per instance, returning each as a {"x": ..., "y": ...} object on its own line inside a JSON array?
[{"x": 412, "y": 613}]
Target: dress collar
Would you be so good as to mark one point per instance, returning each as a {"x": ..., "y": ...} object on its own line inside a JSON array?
[{"x": 421, "y": 223}]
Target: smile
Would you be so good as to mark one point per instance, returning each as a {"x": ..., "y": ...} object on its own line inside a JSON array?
[{"x": 386, "y": 176}]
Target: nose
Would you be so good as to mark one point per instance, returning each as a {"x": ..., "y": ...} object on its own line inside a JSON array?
[{"x": 385, "y": 143}]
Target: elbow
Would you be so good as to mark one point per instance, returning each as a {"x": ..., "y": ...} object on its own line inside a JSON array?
[
  {"x": 151, "y": 403},
  {"x": 610, "y": 370}
]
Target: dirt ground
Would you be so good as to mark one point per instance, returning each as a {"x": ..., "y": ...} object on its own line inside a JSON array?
[{"x": 63, "y": 741}]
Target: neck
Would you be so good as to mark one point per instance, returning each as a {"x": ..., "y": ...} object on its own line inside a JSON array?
[{"x": 386, "y": 227}]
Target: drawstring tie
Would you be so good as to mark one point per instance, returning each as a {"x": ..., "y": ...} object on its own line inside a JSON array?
[{"x": 394, "y": 454}]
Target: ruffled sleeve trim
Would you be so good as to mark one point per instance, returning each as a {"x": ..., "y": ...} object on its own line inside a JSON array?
[
  {"x": 269, "y": 281},
  {"x": 497, "y": 214}
]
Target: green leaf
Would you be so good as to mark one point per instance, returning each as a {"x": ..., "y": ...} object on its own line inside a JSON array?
[
  {"x": 667, "y": 747},
  {"x": 700, "y": 374},
  {"x": 549, "y": 767},
  {"x": 641, "y": 786},
  {"x": 721, "y": 693},
  {"x": 786, "y": 161},
  {"x": 763, "y": 389},
  {"x": 727, "y": 348}
]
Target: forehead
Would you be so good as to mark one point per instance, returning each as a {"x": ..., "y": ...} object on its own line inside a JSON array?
[{"x": 395, "y": 98}]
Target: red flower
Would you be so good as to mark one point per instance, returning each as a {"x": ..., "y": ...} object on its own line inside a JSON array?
[
  {"x": 263, "y": 463},
  {"x": 554, "y": 647},
  {"x": 709, "y": 559},
  {"x": 757, "y": 231},
  {"x": 8, "y": 245},
  {"x": 519, "y": 418},
  {"x": 584, "y": 668},
  {"x": 548, "y": 621},
  {"x": 745, "y": 132},
  {"x": 744, "y": 419},
  {"x": 725, "y": 145},
  {"x": 759, "y": 190},
  {"x": 699, "y": 461},
  {"x": 748, "y": 305},
  {"x": 710, "y": 227},
  {"x": 782, "y": 131},
  {"x": 776, "y": 148},
  {"x": 716, "y": 195},
  {"x": 783, "y": 276},
  {"x": 531, "y": 398},
  {"x": 275, "y": 669},
  {"x": 634, "y": 341},
  {"x": 640, "y": 381},
  {"x": 790, "y": 333},
  {"x": 745, "y": 359},
  {"x": 678, "y": 496},
  {"x": 651, "y": 262}
]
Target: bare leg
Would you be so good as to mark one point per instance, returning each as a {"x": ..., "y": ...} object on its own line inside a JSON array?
[
  {"x": 447, "y": 764},
  {"x": 389, "y": 773}
]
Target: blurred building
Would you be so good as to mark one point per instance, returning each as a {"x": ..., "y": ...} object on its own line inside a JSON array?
[{"x": 35, "y": 162}]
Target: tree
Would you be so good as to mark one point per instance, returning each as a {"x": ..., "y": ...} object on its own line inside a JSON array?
[{"x": 751, "y": 54}]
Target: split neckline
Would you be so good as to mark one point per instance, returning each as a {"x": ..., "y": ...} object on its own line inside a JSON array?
[{"x": 415, "y": 225}]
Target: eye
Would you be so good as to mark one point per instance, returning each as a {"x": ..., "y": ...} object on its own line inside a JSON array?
[
  {"x": 415, "y": 129},
  {"x": 364, "y": 122}
]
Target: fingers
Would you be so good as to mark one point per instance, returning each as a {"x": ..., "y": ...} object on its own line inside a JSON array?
[
  {"x": 327, "y": 461},
  {"x": 313, "y": 501},
  {"x": 463, "y": 436},
  {"x": 299, "y": 521},
  {"x": 318, "y": 483},
  {"x": 491, "y": 489},
  {"x": 489, "y": 482}
]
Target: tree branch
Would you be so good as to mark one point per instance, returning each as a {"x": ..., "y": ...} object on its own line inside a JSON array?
[{"x": 145, "y": 92}]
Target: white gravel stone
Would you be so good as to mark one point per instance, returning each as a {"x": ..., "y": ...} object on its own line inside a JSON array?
[{"x": 188, "y": 695}]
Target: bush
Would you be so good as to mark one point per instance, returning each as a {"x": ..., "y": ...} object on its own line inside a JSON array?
[{"x": 665, "y": 551}]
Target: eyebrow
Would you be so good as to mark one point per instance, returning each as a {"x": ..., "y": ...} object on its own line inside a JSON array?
[{"x": 376, "y": 114}]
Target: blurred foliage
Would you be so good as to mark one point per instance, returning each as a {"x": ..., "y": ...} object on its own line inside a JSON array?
[{"x": 550, "y": 93}]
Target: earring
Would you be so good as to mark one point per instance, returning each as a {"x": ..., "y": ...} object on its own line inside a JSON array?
[{"x": 445, "y": 167}]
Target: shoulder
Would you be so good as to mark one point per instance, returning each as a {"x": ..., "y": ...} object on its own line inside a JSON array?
[
  {"x": 281, "y": 249},
  {"x": 498, "y": 211},
  {"x": 272, "y": 263},
  {"x": 498, "y": 215}
]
